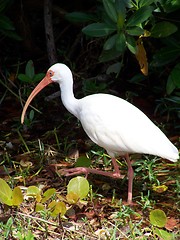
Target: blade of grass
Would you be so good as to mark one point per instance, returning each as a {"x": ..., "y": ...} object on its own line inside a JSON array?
[
  {"x": 18, "y": 96},
  {"x": 22, "y": 140}
]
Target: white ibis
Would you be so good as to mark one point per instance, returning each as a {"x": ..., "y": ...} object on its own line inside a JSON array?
[{"x": 110, "y": 122}]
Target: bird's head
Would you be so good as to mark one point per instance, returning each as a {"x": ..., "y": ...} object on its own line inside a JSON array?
[{"x": 57, "y": 73}]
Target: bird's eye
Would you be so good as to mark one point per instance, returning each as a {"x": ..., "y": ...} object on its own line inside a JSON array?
[{"x": 51, "y": 73}]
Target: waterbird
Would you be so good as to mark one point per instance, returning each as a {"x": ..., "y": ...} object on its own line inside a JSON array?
[{"x": 111, "y": 122}]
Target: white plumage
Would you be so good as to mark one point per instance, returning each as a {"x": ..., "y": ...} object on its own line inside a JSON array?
[{"x": 110, "y": 122}]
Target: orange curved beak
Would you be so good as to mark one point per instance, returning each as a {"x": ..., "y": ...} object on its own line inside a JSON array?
[{"x": 44, "y": 82}]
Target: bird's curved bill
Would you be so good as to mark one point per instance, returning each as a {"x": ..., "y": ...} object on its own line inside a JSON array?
[{"x": 46, "y": 81}]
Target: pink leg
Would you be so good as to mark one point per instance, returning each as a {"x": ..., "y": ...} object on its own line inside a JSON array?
[
  {"x": 86, "y": 171},
  {"x": 130, "y": 179},
  {"x": 115, "y": 174}
]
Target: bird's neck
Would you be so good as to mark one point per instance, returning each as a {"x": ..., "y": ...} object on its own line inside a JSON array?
[{"x": 68, "y": 99}]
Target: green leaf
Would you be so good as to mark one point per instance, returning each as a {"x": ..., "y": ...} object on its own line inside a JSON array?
[
  {"x": 121, "y": 10},
  {"x": 80, "y": 17},
  {"x": 24, "y": 78},
  {"x": 52, "y": 205},
  {"x": 114, "y": 68},
  {"x": 163, "y": 29},
  {"x": 173, "y": 81},
  {"x": 109, "y": 7},
  {"x": 108, "y": 55},
  {"x": 11, "y": 34},
  {"x": 29, "y": 70},
  {"x": 140, "y": 16},
  {"x": 170, "y": 85},
  {"x": 31, "y": 115},
  {"x": 135, "y": 31},
  {"x": 48, "y": 194},
  {"x": 5, "y": 23},
  {"x": 165, "y": 55},
  {"x": 162, "y": 234},
  {"x": 158, "y": 218},
  {"x": 131, "y": 44},
  {"x": 98, "y": 29},
  {"x": 121, "y": 42},
  {"x": 34, "y": 191},
  {"x": 110, "y": 42},
  {"x": 5, "y": 193},
  {"x": 39, "y": 207},
  {"x": 142, "y": 3},
  {"x": 78, "y": 185},
  {"x": 17, "y": 196},
  {"x": 3, "y": 4},
  {"x": 37, "y": 77},
  {"x": 72, "y": 198},
  {"x": 60, "y": 208},
  {"x": 83, "y": 161}
]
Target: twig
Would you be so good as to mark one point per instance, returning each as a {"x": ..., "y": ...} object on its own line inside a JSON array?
[
  {"x": 51, "y": 50},
  {"x": 38, "y": 219}
]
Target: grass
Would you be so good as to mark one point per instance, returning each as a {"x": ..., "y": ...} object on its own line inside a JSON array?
[
  {"x": 105, "y": 216},
  {"x": 26, "y": 157}
]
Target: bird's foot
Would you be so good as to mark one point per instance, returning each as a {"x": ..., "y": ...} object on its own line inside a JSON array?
[{"x": 86, "y": 171}]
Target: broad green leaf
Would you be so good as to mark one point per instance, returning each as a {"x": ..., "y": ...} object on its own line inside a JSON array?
[
  {"x": 121, "y": 42},
  {"x": 163, "y": 29},
  {"x": 110, "y": 9},
  {"x": 83, "y": 161},
  {"x": 110, "y": 42},
  {"x": 158, "y": 218},
  {"x": 17, "y": 196},
  {"x": 165, "y": 55},
  {"x": 3, "y": 4},
  {"x": 72, "y": 198},
  {"x": 131, "y": 44},
  {"x": 80, "y": 17},
  {"x": 5, "y": 193},
  {"x": 173, "y": 81},
  {"x": 163, "y": 234},
  {"x": 140, "y": 16},
  {"x": 24, "y": 78},
  {"x": 107, "y": 55},
  {"x": 11, "y": 34},
  {"x": 78, "y": 185},
  {"x": 60, "y": 208},
  {"x": 52, "y": 205},
  {"x": 114, "y": 68},
  {"x": 135, "y": 31},
  {"x": 34, "y": 191},
  {"x": 48, "y": 194},
  {"x": 121, "y": 10},
  {"x": 98, "y": 29},
  {"x": 38, "y": 77},
  {"x": 5, "y": 23},
  {"x": 29, "y": 70},
  {"x": 39, "y": 207},
  {"x": 170, "y": 85},
  {"x": 170, "y": 6},
  {"x": 175, "y": 74},
  {"x": 142, "y": 3}
]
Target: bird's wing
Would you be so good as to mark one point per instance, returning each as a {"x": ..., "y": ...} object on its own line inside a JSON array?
[{"x": 118, "y": 126}]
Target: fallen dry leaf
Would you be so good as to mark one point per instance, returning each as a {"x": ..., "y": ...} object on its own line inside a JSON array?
[{"x": 171, "y": 224}]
